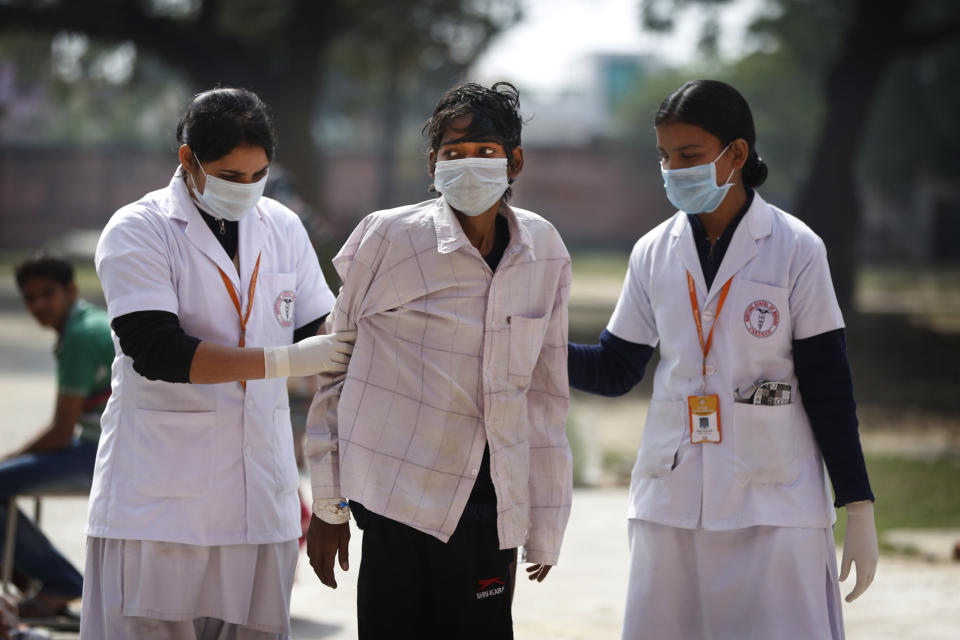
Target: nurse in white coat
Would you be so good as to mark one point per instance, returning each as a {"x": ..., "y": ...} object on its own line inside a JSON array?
[
  {"x": 215, "y": 296},
  {"x": 730, "y": 515}
]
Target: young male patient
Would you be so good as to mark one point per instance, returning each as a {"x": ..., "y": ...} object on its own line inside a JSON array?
[{"x": 447, "y": 435}]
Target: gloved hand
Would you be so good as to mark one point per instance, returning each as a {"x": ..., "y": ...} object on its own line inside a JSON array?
[
  {"x": 316, "y": 354},
  {"x": 860, "y": 547}
]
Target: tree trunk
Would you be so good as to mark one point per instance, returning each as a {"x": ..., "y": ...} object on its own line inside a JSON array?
[
  {"x": 294, "y": 94},
  {"x": 828, "y": 200},
  {"x": 292, "y": 103}
]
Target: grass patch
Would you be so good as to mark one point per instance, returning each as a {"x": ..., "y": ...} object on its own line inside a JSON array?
[
  {"x": 912, "y": 493},
  {"x": 595, "y": 264},
  {"x": 908, "y": 278}
]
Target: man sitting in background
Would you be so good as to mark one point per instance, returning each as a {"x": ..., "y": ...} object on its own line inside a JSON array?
[{"x": 60, "y": 458}]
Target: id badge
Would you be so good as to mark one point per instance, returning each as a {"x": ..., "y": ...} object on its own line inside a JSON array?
[{"x": 704, "y": 412}]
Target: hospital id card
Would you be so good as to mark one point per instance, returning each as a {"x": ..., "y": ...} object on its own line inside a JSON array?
[{"x": 704, "y": 412}]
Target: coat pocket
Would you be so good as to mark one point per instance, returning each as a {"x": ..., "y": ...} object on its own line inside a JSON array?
[
  {"x": 766, "y": 443},
  {"x": 174, "y": 452},
  {"x": 526, "y": 338},
  {"x": 285, "y": 464},
  {"x": 662, "y": 434}
]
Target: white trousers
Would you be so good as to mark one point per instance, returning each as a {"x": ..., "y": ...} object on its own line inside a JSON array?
[
  {"x": 121, "y": 626},
  {"x": 135, "y": 590},
  {"x": 758, "y": 583}
]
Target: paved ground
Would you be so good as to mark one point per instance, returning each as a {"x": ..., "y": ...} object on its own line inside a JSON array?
[{"x": 581, "y": 599}]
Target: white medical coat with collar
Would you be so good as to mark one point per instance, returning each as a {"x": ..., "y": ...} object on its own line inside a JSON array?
[
  {"x": 204, "y": 464},
  {"x": 767, "y": 470}
]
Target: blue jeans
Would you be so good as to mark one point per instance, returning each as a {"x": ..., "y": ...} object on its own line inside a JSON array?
[{"x": 67, "y": 470}]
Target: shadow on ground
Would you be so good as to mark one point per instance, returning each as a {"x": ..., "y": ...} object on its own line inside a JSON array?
[{"x": 301, "y": 627}]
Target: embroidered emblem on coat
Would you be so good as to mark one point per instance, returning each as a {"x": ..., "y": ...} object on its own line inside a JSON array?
[
  {"x": 761, "y": 318},
  {"x": 283, "y": 308}
]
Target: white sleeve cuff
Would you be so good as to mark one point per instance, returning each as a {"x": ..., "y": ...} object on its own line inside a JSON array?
[{"x": 331, "y": 510}]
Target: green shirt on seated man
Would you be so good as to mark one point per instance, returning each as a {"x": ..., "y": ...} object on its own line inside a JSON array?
[{"x": 60, "y": 458}]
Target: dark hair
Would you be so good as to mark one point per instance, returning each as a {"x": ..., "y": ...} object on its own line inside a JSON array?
[
  {"x": 219, "y": 120},
  {"x": 720, "y": 110},
  {"x": 495, "y": 116},
  {"x": 44, "y": 265}
]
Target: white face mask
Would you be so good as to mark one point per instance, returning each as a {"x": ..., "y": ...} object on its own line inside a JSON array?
[
  {"x": 695, "y": 189},
  {"x": 229, "y": 200},
  {"x": 471, "y": 185}
]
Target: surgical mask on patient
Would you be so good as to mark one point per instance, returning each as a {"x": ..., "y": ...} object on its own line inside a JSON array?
[
  {"x": 230, "y": 200},
  {"x": 695, "y": 189},
  {"x": 471, "y": 185}
]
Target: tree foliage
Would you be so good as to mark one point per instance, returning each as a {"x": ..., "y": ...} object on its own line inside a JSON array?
[
  {"x": 281, "y": 49},
  {"x": 843, "y": 88}
]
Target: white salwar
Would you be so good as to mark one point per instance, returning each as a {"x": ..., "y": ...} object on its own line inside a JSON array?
[
  {"x": 145, "y": 590},
  {"x": 756, "y": 583}
]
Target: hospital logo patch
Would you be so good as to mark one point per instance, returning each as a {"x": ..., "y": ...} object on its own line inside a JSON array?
[
  {"x": 283, "y": 308},
  {"x": 761, "y": 318}
]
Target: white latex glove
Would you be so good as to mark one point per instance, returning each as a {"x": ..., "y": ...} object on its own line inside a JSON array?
[
  {"x": 860, "y": 547},
  {"x": 316, "y": 354}
]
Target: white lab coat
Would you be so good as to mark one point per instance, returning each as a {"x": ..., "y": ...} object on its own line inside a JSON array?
[
  {"x": 202, "y": 464},
  {"x": 767, "y": 470},
  {"x": 747, "y": 520}
]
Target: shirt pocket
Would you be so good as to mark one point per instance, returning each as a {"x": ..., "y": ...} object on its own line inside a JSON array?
[
  {"x": 766, "y": 443},
  {"x": 285, "y": 463},
  {"x": 526, "y": 338},
  {"x": 278, "y": 305},
  {"x": 663, "y": 433},
  {"x": 174, "y": 452},
  {"x": 761, "y": 317}
]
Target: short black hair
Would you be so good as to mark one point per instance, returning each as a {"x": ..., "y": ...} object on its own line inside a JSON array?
[
  {"x": 495, "y": 116},
  {"x": 44, "y": 265},
  {"x": 219, "y": 120},
  {"x": 720, "y": 110}
]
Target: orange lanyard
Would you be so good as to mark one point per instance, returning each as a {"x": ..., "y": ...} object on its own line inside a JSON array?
[
  {"x": 705, "y": 347},
  {"x": 236, "y": 302}
]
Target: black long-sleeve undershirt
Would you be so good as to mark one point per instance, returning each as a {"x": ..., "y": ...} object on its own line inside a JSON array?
[{"x": 160, "y": 348}]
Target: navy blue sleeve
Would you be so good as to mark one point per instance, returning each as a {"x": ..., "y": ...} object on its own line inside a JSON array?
[
  {"x": 823, "y": 376},
  {"x": 610, "y": 368}
]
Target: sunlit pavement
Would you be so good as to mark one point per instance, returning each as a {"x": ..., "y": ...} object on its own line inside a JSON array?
[{"x": 582, "y": 597}]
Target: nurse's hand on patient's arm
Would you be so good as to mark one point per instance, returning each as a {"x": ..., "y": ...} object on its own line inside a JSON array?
[
  {"x": 538, "y": 571},
  {"x": 214, "y": 363},
  {"x": 860, "y": 547},
  {"x": 324, "y": 542},
  {"x": 316, "y": 354}
]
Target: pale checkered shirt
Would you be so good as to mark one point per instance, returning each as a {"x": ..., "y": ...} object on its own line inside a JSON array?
[{"x": 450, "y": 357}]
